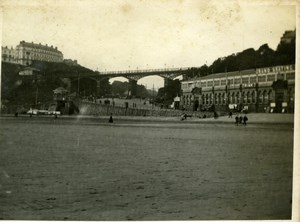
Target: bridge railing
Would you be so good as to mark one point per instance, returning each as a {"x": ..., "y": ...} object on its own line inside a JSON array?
[{"x": 143, "y": 71}]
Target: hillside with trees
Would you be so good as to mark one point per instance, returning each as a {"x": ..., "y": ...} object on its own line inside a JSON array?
[
  {"x": 120, "y": 89},
  {"x": 250, "y": 58}
]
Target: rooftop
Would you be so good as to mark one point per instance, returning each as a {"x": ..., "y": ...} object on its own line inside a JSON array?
[{"x": 38, "y": 46}]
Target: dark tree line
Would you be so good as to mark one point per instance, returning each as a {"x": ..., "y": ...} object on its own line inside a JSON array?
[
  {"x": 166, "y": 94},
  {"x": 121, "y": 89},
  {"x": 250, "y": 58}
]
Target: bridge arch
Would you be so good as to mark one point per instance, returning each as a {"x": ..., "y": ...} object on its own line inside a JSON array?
[{"x": 147, "y": 81}]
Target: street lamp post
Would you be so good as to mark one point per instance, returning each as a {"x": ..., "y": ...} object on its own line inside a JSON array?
[
  {"x": 36, "y": 96},
  {"x": 78, "y": 83},
  {"x": 153, "y": 97}
]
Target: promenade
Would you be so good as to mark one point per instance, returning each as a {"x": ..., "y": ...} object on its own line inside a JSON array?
[{"x": 257, "y": 118}]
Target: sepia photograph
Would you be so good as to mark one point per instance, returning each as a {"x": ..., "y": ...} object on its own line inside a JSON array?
[{"x": 162, "y": 110}]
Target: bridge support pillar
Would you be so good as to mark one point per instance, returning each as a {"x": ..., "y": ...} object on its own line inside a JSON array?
[
  {"x": 132, "y": 87},
  {"x": 98, "y": 88}
]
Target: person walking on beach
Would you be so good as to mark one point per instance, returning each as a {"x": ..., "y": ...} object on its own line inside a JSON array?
[
  {"x": 245, "y": 119},
  {"x": 215, "y": 115},
  {"x": 110, "y": 119},
  {"x": 237, "y": 120},
  {"x": 230, "y": 114},
  {"x": 241, "y": 119}
]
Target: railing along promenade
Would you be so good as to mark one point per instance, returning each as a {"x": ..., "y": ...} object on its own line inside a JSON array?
[{"x": 146, "y": 71}]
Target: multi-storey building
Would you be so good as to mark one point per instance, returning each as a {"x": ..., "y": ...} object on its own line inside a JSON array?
[
  {"x": 8, "y": 55},
  {"x": 270, "y": 89},
  {"x": 27, "y": 52}
]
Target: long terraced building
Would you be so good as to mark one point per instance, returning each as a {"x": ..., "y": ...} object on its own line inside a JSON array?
[{"x": 269, "y": 89}]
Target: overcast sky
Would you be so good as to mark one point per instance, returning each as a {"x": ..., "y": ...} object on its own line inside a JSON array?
[{"x": 122, "y": 35}]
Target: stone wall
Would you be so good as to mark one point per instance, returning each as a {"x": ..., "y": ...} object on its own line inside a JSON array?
[{"x": 87, "y": 108}]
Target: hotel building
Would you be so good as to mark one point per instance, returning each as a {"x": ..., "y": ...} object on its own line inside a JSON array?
[
  {"x": 26, "y": 52},
  {"x": 269, "y": 89}
]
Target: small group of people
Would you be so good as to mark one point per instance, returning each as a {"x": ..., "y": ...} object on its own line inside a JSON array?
[{"x": 240, "y": 119}]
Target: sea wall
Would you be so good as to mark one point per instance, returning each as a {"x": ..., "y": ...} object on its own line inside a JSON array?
[{"x": 87, "y": 108}]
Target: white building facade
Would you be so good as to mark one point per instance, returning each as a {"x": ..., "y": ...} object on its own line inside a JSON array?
[
  {"x": 269, "y": 89},
  {"x": 26, "y": 52},
  {"x": 9, "y": 55}
]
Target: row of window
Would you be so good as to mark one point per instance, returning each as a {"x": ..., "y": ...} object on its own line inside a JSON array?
[
  {"x": 38, "y": 57},
  {"x": 264, "y": 97},
  {"x": 48, "y": 50},
  {"x": 244, "y": 80},
  {"x": 35, "y": 52},
  {"x": 40, "y": 54}
]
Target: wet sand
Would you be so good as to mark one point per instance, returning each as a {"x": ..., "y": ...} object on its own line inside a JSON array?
[{"x": 76, "y": 169}]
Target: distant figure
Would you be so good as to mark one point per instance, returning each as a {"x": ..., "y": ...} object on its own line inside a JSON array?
[
  {"x": 230, "y": 114},
  {"x": 55, "y": 116},
  {"x": 204, "y": 116},
  {"x": 241, "y": 119},
  {"x": 16, "y": 114},
  {"x": 237, "y": 120},
  {"x": 215, "y": 115},
  {"x": 245, "y": 119},
  {"x": 110, "y": 119}
]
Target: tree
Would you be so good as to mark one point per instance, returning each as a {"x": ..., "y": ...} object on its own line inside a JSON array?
[
  {"x": 169, "y": 92},
  {"x": 119, "y": 88},
  {"x": 105, "y": 87},
  {"x": 142, "y": 92}
]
